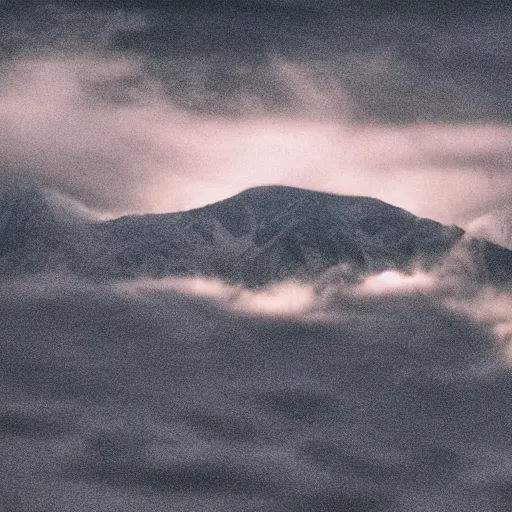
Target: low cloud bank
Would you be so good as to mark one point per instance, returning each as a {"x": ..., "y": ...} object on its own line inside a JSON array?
[
  {"x": 308, "y": 301},
  {"x": 179, "y": 393},
  {"x": 281, "y": 299},
  {"x": 331, "y": 301},
  {"x": 155, "y": 395}
]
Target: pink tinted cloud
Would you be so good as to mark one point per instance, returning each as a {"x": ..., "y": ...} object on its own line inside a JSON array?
[
  {"x": 126, "y": 148},
  {"x": 285, "y": 298}
]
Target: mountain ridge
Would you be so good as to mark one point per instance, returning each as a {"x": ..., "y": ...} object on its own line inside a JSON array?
[{"x": 261, "y": 235}]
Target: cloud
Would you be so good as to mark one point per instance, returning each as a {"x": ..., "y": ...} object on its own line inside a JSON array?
[
  {"x": 146, "y": 394},
  {"x": 494, "y": 226},
  {"x": 327, "y": 300},
  {"x": 452, "y": 290},
  {"x": 58, "y": 127},
  {"x": 492, "y": 308},
  {"x": 392, "y": 282},
  {"x": 103, "y": 131},
  {"x": 281, "y": 299}
]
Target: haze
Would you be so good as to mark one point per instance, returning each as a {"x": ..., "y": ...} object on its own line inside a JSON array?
[
  {"x": 388, "y": 393},
  {"x": 133, "y": 109}
]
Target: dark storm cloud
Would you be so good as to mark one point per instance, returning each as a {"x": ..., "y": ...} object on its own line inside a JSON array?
[{"x": 395, "y": 64}]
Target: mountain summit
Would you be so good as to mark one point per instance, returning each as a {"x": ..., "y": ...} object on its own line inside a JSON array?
[{"x": 261, "y": 235}]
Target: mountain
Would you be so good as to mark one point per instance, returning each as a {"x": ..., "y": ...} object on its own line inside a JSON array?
[{"x": 261, "y": 235}]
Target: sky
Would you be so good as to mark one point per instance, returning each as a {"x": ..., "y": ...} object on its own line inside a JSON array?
[
  {"x": 131, "y": 106},
  {"x": 195, "y": 394}
]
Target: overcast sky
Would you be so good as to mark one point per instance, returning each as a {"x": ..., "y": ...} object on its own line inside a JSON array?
[
  {"x": 140, "y": 107},
  {"x": 193, "y": 394}
]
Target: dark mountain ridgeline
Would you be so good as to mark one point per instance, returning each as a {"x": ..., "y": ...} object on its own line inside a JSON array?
[{"x": 261, "y": 235}]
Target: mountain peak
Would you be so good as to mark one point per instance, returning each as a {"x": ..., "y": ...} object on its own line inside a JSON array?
[
  {"x": 283, "y": 193},
  {"x": 263, "y": 234},
  {"x": 274, "y": 201},
  {"x": 276, "y": 190}
]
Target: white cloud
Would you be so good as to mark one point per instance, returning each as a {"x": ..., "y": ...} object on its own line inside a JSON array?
[
  {"x": 495, "y": 226},
  {"x": 393, "y": 282},
  {"x": 281, "y": 299},
  {"x": 102, "y": 130},
  {"x": 492, "y": 308}
]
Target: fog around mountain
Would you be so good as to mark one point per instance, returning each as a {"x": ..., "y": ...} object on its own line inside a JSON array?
[
  {"x": 175, "y": 336},
  {"x": 494, "y": 226}
]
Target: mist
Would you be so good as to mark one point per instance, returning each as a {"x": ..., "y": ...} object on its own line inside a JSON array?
[
  {"x": 391, "y": 392},
  {"x": 171, "y": 395},
  {"x": 158, "y": 125},
  {"x": 144, "y": 154}
]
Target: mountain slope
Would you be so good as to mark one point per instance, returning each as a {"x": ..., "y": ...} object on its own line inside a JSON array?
[{"x": 261, "y": 235}]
